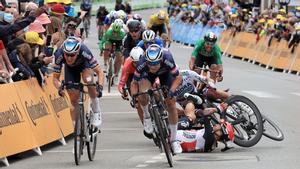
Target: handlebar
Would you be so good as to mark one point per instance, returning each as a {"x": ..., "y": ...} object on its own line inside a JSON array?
[{"x": 78, "y": 86}]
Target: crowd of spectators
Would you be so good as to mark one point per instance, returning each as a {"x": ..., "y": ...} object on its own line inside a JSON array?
[
  {"x": 274, "y": 22},
  {"x": 29, "y": 37}
]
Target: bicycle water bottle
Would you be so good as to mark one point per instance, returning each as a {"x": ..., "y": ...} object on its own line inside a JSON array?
[{"x": 195, "y": 98}]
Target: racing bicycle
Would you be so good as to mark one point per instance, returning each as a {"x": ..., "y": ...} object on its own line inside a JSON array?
[{"x": 84, "y": 132}]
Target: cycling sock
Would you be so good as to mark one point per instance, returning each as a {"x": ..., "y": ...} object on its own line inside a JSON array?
[
  {"x": 173, "y": 128},
  {"x": 146, "y": 111},
  {"x": 96, "y": 105}
]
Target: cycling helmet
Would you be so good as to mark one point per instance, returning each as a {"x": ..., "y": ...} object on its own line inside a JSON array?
[
  {"x": 162, "y": 15},
  {"x": 137, "y": 17},
  {"x": 134, "y": 25},
  {"x": 71, "y": 45},
  {"x": 228, "y": 131},
  {"x": 148, "y": 35},
  {"x": 210, "y": 37},
  {"x": 121, "y": 14},
  {"x": 136, "y": 53},
  {"x": 154, "y": 53},
  {"x": 117, "y": 25},
  {"x": 113, "y": 14}
]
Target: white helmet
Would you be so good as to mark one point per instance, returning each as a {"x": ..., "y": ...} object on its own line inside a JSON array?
[
  {"x": 148, "y": 35},
  {"x": 119, "y": 22},
  {"x": 136, "y": 53}
]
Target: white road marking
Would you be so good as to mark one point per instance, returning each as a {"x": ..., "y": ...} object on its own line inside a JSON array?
[
  {"x": 186, "y": 47},
  {"x": 297, "y": 94},
  {"x": 150, "y": 161},
  {"x": 261, "y": 94},
  {"x": 113, "y": 93},
  {"x": 157, "y": 157},
  {"x": 141, "y": 165},
  {"x": 131, "y": 112},
  {"x": 104, "y": 150},
  {"x": 121, "y": 129}
]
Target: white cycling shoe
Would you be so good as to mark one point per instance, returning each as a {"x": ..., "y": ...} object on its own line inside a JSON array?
[
  {"x": 96, "y": 119},
  {"x": 176, "y": 147},
  {"x": 148, "y": 127}
]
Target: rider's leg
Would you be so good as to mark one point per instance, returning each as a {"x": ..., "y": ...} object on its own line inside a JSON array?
[
  {"x": 74, "y": 96},
  {"x": 118, "y": 63},
  {"x": 88, "y": 77},
  {"x": 144, "y": 85},
  {"x": 217, "y": 94},
  {"x": 213, "y": 74},
  {"x": 106, "y": 52}
]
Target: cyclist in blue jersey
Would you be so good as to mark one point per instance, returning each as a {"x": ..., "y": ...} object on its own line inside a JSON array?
[
  {"x": 79, "y": 62},
  {"x": 158, "y": 63},
  {"x": 148, "y": 39}
]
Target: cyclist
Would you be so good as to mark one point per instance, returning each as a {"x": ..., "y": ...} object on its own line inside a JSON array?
[
  {"x": 158, "y": 63},
  {"x": 158, "y": 23},
  {"x": 101, "y": 14},
  {"x": 139, "y": 18},
  {"x": 128, "y": 70},
  {"x": 114, "y": 35},
  {"x": 132, "y": 37},
  {"x": 187, "y": 85},
  {"x": 205, "y": 140},
  {"x": 86, "y": 5},
  {"x": 206, "y": 51},
  {"x": 79, "y": 61},
  {"x": 109, "y": 19},
  {"x": 148, "y": 39}
]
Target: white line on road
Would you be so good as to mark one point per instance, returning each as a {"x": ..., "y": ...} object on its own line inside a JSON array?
[
  {"x": 150, "y": 161},
  {"x": 297, "y": 94},
  {"x": 261, "y": 94},
  {"x": 131, "y": 112},
  {"x": 121, "y": 129},
  {"x": 105, "y": 150},
  {"x": 141, "y": 166}
]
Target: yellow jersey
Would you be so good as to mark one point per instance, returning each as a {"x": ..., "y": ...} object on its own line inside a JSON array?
[{"x": 154, "y": 21}]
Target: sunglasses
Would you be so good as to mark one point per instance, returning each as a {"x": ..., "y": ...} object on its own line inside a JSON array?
[
  {"x": 153, "y": 63},
  {"x": 148, "y": 42},
  {"x": 132, "y": 31},
  {"x": 70, "y": 55},
  {"x": 210, "y": 44},
  {"x": 72, "y": 26}
]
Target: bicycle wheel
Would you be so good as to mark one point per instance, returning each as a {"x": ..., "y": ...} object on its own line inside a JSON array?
[
  {"x": 163, "y": 135},
  {"x": 91, "y": 143},
  {"x": 246, "y": 119},
  {"x": 271, "y": 130},
  {"x": 110, "y": 73},
  {"x": 155, "y": 138},
  {"x": 78, "y": 132}
]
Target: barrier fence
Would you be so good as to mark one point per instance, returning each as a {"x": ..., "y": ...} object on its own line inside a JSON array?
[
  {"x": 31, "y": 117},
  {"x": 243, "y": 45}
]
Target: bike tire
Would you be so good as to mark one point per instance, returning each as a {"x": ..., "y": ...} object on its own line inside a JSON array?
[
  {"x": 91, "y": 144},
  {"x": 163, "y": 136},
  {"x": 278, "y": 136},
  {"x": 155, "y": 134},
  {"x": 110, "y": 74},
  {"x": 78, "y": 134},
  {"x": 241, "y": 140}
]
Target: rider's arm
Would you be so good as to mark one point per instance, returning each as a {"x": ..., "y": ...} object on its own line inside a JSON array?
[
  {"x": 151, "y": 22},
  {"x": 100, "y": 75},
  {"x": 195, "y": 54},
  {"x": 57, "y": 67},
  {"x": 104, "y": 39},
  {"x": 159, "y": 42},
  {"x": 124, "y": 75},
  {"x": 169, "y": 28}
]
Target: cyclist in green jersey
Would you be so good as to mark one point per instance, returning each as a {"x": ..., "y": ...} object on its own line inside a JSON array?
[
  {"x": 114, "y": 35},
  {"x": 207, "y": 52}
]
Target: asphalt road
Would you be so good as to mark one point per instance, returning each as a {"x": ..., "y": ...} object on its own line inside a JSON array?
[{"x": 121, "y": 144}]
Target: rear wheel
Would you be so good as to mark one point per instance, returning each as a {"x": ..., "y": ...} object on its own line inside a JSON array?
[
  {"x": 92, "y": 143},
  {"x": 246, "y": 119},
  {"x": 78, "y": 134},
  {"x": 271, "y": 130}
]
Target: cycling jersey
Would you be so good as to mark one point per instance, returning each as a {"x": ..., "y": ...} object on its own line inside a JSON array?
[
  {"x": 157, "y": 41},
  {"x": 166, "y": 74},
  {"x": 129, "y": 43},
  {"x": 128, "y": 69},
  {"x": 101, "y": 17},
  {"x": 214, "y": 56},
  {"x": 155, "y": 21},
  {"x": 86, "y": 5},
  {"x": 85, "y": 59},
  {"x": 187, "y": 85},
  {"x": 111, "y": 36},
  {"x": 191, "y": 140}
]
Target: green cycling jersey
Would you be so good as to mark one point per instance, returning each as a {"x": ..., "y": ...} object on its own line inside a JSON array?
[
  {"x": 200, "y": 50},
  {"x": 111, "y": 35}
]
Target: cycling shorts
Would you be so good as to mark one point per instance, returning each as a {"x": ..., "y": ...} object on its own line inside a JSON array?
[
  {"x": 159, "y": 28},
  {"x": 73, "y": 74},
  {"x": 204, "y": 60},
  {"x": 117, "y": 42},
  {"x": 165, "y": 79}
]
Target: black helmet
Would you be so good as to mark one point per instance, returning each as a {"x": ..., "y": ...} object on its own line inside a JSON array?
[{"x": 134, "y": 25}]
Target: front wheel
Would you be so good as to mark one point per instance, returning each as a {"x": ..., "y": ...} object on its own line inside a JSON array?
[
  {"x": 271, "y": 130},
  {"x": 78, "y": 134},
  {"x": 246, "y": 119}
]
